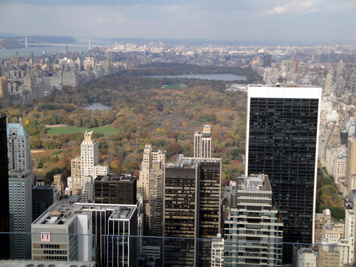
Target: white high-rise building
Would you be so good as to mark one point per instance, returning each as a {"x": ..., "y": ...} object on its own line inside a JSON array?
[
  {"x": 88, "y": 164},
  {"x": 202, "y": 142},
  {"x": 19, "y": 151},
  {"x": 89, "y": 158}
]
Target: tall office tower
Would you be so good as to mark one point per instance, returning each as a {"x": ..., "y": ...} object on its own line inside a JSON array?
[
  {"x": 340, "y": 69},
  {"x": 282, "y": 137},
  {"x": 115, "y": 189},
  {"x": 4, "y": 93},
  {"x": 108, "y": 66},
  {"x": 267, "y": 60},
  {"x": 4, "y": 191},
  {"x": 295, "y": 65},
  {"x": 329, "y": 84},
  {"x": 153, "y": 209},
  {"x": 146, "y": 182},
  {"x": 191, "y": 209},
  {"x": 254, "y": 218},
  {"x": 20, "y": 183},
  {"x": 351, "y": 163},
  {"x": 202, "y": 142},
  {"x": 75, "y": 176}
]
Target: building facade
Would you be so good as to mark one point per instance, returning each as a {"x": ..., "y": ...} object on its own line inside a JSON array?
[
  {"x": 351, "y": 163},
  {"x": 19, "y": 151},
  {"x": 282, "y": 138},
  {"x": 253, "y": 229},
  {"x": 115, "y": 189},
  {"x": 149, "y": 185},
  {"x": 4, "y": 190},
  {"x": 85, "y": 168},
  {"x": 42, "y": 198},
  {"x": 203, "y": 142},
  {"x": 191, "y": 209}
]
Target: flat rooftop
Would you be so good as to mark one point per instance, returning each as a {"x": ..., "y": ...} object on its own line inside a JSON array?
[
  {"x": 187, "y": 162},
  {"x": 116, "y": 177},
  {"x": 120, "y": 211},
  {"x": 259, "y": 182}
]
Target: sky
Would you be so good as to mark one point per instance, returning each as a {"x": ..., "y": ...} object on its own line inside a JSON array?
[{"x": 316, "y": 21}]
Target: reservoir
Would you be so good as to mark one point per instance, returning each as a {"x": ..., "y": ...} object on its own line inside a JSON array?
[
  {"x": 98, "y": 106},
  {"x": 217, "y": 77}
]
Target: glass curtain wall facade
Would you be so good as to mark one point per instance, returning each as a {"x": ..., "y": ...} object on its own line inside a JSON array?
[
  {"x": 4, "y": 190},
  {"x": 282, "y": 143}
]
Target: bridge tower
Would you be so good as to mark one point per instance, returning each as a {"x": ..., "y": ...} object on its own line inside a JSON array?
[
  {"x": 89, "y": 44},
  {"x": 26, "y": 42}
]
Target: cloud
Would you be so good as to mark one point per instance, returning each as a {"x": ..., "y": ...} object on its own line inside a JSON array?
[
  {"x": 293, "y": 7},
  {"x": 120, "y": 20},
  {"x": 102, "y": 20}
]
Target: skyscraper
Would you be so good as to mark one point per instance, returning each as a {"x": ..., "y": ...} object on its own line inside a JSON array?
[
  {"x": 149, "y": 185},
  {"x": 351, "y": 163},
  {"x": 20, "y": 185},
  {"x": 282, "y": 138},
  {"x": 85, "y": 168},
  {"x": 191, "y": 209},
  {"x": 19, "y": 151},
  {"x": 253, "y": 208},
  {"x": 267, "y": 60},
  {"x": 202, "y": 142},
  {"x": 4, "y": 191}
]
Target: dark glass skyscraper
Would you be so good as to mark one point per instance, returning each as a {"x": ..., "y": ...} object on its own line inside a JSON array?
[
  {"x": 4, "y": 191},
  {"x": 191, "y": 209},
  {"x": 282, "y": 138}
]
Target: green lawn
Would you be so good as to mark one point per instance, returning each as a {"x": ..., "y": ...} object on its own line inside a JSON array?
[
  {"x": 106, "y": 130},
  {"x": 173, "y": 86}
]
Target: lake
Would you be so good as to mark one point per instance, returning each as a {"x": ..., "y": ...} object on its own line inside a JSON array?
[
  {"x": 217, "y": 77},
  {"x": 98, "y": 106}
]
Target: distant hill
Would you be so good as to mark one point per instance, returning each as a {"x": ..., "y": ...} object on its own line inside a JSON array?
[{"x": 7, "y": 35}]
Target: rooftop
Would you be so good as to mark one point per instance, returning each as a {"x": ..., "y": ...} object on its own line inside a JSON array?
[
  {"x": 259, "y": 182},
  {"x": 186, "y": 162},
  {"x": 116, "y": 177},
  {"x": 20, "y": 129}
]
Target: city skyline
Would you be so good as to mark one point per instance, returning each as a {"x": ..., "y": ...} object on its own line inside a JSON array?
[{"x": 310, "y": 21}]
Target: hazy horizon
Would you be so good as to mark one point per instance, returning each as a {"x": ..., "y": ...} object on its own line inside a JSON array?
[{"x": 256, "y": 21}]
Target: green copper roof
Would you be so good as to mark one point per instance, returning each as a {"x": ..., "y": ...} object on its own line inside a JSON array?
[{"x": 20, "y": 129}]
